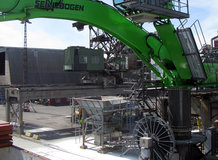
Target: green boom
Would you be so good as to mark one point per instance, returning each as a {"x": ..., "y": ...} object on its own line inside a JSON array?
[{"x": 110, "y": 20}]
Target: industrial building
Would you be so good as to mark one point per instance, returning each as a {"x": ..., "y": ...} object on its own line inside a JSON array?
[
  {"x": 117, "y": 104},
  {"x": 42, "y": 69}
]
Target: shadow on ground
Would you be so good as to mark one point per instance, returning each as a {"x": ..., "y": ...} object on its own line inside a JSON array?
[
  {"x": 57, "y": 134},
  {"x": 53, "y": 134}
]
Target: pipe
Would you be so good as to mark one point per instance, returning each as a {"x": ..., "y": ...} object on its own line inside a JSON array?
[
  {"x": 212, "y": 40},
  {"x": 180, "y": 109}
]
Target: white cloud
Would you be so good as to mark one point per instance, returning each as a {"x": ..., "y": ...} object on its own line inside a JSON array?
[
  {"x": 10, "y": 35},
  {"x": 206, "y": 11},
  {"x": 204, "y": 4},
  {"x": 45, "y": 35},
  {"x": 39, "y": 39},
  {"x": 58, "y": 35}
]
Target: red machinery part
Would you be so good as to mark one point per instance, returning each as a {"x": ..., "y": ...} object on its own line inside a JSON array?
[{"x": 6, "y": 129}]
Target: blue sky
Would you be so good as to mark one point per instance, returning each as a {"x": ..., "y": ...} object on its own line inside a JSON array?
[{"x": 59, "y": 34}]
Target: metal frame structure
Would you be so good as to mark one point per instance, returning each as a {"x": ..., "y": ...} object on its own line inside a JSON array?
[
  {"x": 17, "y": 96},
  {"x": 103, "y": 40},
  {"x": 165, "y": 50},
  {"x": 150, "y": 10},
  {"x": 98, "y": 127}
]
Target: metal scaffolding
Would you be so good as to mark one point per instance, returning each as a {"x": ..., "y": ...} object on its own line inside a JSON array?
[{"x": 105, "y": 120}]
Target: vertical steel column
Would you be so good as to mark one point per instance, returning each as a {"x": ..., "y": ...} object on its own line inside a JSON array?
[
  {"x": 20, "y": 125},
  {"x": 180, "y": 109},
  {"x": 72, "y": 117},
  {"x": 7, "y": 106},
  {"x": 179, "y": 6},
  {"x": 102, "y": 130},
  {"x": 163, "y": 108},
  {"x": 180, "y": 120}
]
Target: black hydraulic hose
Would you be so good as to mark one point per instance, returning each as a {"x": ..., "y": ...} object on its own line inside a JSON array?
[{"x": 13, "y": 7}]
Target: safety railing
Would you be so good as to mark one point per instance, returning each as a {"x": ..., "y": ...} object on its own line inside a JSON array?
[
  {"x": 160, "y": 7},
  {"x": 181, "y": 6},
  {"x": 196, "y": 28}
]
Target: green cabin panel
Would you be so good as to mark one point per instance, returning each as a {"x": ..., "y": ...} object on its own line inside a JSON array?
[
  {"x": 170, "y": 40},
  {"x": 69, "y": 59},
  {"x": 93, "y": 58},
  {"x": 83, "y": 59}
]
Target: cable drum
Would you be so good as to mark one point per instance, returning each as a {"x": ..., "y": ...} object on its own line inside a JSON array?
[{"x": 162, "y": 136}]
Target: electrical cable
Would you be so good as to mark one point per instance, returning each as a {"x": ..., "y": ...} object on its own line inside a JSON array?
[{"x": 13, "y": 7}]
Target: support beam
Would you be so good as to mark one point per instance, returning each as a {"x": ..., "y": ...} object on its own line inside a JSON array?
[
  {"x": 180, "y": 109},
  {"x": 7, "y": 105},
  {"x": 180, "y": 119},
  {"x": 23, "y": 94},
  {"x": 20, "y": 120}
]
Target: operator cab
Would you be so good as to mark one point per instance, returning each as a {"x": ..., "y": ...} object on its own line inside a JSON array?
[{"x": 142, "y": 11}]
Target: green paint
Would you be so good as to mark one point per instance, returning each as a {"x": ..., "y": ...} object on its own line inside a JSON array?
[
  {"x": 167, "y": 54},
  {"x": 171, "y": 41}
]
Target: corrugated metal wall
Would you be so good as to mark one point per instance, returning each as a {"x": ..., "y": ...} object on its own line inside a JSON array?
[
  {"x": 2, "y": 95},
  {"x": 45, "y": 66}
]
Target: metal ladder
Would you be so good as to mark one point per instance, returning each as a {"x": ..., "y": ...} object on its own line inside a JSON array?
[
  {"x": 208, "y": 53},
  {"x": 139, "y": 94}
]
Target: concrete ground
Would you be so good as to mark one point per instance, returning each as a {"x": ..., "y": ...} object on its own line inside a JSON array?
[
  {"x": 46, "y": 116},
  {"x": 50, "y": 122},
  {"x": 58, "y": 139},
  {"x": 69, "y": 148}
]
